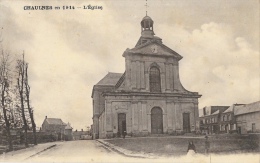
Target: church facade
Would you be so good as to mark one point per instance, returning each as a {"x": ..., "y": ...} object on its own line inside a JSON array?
[{"x": 148, "y": 98}]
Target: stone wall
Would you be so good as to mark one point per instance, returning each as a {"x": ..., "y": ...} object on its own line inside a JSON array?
[
  {"x": 137, "y": 73},
  {"x": 138, "y": 115},
  {"x": 245, "y": 121}
]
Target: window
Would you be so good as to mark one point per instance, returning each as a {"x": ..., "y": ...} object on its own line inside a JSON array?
[
  {"x": 212, "y": 120},
  {"x": 155, "y": 79},
  {"x": 228, "y": 117},
  {"x": 201, "y": 122}
]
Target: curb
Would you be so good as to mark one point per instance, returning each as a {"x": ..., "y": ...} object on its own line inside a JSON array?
[
  {"x": 123, "y": 151},
  {"x": 42, "y": 151}
]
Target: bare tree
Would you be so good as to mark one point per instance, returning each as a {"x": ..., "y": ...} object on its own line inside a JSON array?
[
  {"x": 20, "y": 85},
  {"x": 5, "y": 83},
  {"x": 30, "y": 109}
]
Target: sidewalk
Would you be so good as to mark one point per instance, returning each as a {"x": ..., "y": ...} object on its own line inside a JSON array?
[
  {"x": 23, "y": 154},
  {"x": 123, "y": 151}
]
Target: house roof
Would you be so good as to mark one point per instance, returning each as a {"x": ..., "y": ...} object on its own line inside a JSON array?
[
  {"x": 215, "y": 113},
  {"x": 110, "y": 79},
  {"x": 55, "y": 121},
  {"x": 231, "y": 108},
  {"x": 247, "y": 108},
  {"x": 68, "y": 127},
  {"x": 212, "y": 110}
]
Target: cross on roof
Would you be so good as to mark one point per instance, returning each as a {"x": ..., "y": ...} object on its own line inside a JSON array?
[{"x": 146, "y": 7}]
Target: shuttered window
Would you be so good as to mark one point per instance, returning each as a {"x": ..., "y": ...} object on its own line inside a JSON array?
[{"x": 155, "y": 80}]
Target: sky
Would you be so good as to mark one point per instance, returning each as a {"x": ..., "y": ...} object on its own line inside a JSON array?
[{"x": 69, "y": 51}]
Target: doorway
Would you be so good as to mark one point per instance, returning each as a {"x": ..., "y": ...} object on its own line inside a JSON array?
[
  {"x": 253, "y": 127},
  {"x": 156, "y": 120},
  {"x": 121, "y": 123},
  {"x": 186, "y": 122}
]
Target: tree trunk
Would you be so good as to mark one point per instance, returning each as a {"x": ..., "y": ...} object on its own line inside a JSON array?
[
  {"x": 7, "y": 127},
  {"x": 24, "y": 121},
  {"x": 20, "y": 87},
  {"x": 27, "y": 88}
]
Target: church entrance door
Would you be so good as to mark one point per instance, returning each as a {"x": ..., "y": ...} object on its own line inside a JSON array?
[
  {"x": 157, "y": 120},
  {"x": 186, "y": 122},
  {"x": 121, "y": 123}
]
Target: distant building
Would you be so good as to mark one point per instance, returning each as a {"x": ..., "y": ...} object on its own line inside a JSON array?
[
  {"x": 81, "y": 135},
  {"x": 210, "y": 120},
  {"x": 68, "y": 132},
  {"x": 237, "y": 118},
  {"x": 228, "y": 120},
  {"x": 54, "y": 125},
  {"x": 248, "y": 118}
]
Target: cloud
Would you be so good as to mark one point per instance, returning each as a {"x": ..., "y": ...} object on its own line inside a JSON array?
[
  {"x": 67, "y": 55},
  {"x": 221, "y": 66}
]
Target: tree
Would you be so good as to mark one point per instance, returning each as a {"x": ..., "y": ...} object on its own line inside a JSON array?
[
  {"x": 5, "y": 82},
  {"x": 30, "y": 109},
  {"x": 20, "y": 86}
]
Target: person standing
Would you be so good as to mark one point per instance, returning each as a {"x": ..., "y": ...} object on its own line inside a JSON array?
[
  {"x": 124, "y": 134},
  {"x": 207, "y": 145},
  {"x": 191, "y": 148}
]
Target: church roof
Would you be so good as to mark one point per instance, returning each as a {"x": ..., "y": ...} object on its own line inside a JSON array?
[
  {"x": 110, "y": 79},
  {"x": 161, "y": 49},
  {"x": 147, "y": 18}
]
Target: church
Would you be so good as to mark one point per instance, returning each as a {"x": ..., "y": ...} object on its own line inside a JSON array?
[{"x": 148, "y": 98}]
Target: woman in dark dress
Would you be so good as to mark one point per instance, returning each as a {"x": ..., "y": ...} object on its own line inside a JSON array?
[{"x": 191, "y": 147}]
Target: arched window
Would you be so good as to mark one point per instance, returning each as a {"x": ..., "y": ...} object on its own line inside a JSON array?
[{"x": 155, "y": 80}]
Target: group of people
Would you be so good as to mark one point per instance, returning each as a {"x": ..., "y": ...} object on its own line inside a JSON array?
[{"x": 192, "y": 149}]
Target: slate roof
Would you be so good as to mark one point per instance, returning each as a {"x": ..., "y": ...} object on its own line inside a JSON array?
[
  {"x": 68, "y": 127},
  {"x": 212, "y": 110},
  {"x": 55, "y": 121},
  {"x": 247, "y": 108},
  {"x": 110, "y": 79},
  {"x": 215, "y": 113},
  {"x": 231, "y": 108}
]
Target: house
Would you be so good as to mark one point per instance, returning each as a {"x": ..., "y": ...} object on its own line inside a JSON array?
[
  {"x": 68, "y": 132},
  {"x": 248, "y": 118},
  {"x": 54, "y": 125},
  {"x": 148, "y": 98},
  {"x": 228, "y": 120},
  {"x": 81, "y": 135},
  {"x": 210, "y": 119}
]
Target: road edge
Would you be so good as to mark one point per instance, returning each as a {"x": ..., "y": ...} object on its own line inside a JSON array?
[
  {"x": 54, "y": 145},
  {"x": 123, "y": 151}
]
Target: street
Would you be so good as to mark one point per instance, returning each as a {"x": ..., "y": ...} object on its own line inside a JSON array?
[
  {"x": 93, "y": 151},
  {"x": 77, "y": 151}
]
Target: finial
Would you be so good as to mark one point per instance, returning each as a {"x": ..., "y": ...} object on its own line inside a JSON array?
[{"x": 146, "y": 7}]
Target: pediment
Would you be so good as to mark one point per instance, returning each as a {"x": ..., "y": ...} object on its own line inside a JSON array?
[{"x": 154, "y": 48}]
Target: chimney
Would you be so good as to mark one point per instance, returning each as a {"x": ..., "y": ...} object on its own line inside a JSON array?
[
  {"x": 81, "y": 129},
  {"x": 46, "y": 117}
]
